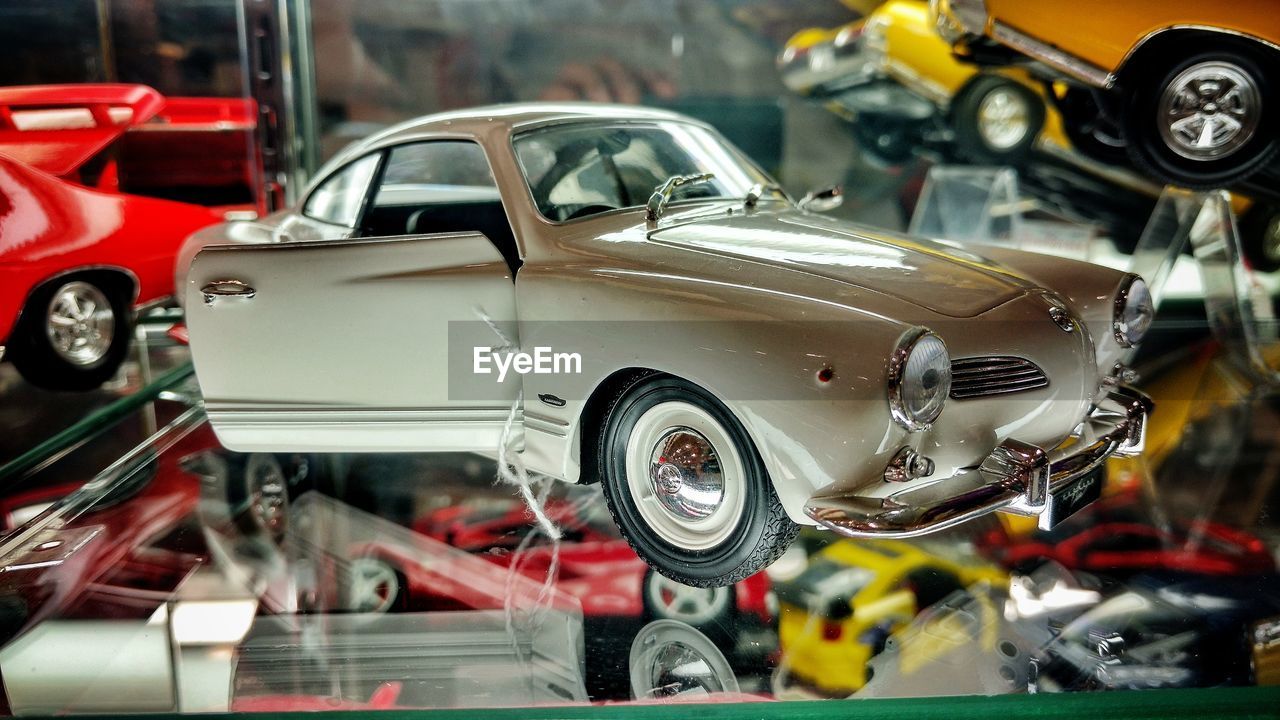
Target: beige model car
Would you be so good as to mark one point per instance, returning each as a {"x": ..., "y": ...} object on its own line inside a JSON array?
[{"x": 725, "y": 361}]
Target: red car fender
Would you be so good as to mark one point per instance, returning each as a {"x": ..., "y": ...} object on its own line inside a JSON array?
[{"x": 49, "y": 227}]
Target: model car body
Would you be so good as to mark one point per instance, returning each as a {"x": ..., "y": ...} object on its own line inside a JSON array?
[
  {"x": 743, "y": 364},
  {"x": 1190, "y": 81},
  {"x": 78, "y": 252},
  {"x": 837, "y": 614},
  {"x": 892, "y": 72}
]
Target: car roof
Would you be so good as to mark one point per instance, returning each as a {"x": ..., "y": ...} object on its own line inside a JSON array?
[
  {"x": 479, "y": 120},
  {"x": 513, "y": 116}
]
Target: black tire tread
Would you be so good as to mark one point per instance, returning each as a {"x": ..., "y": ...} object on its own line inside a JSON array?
[{"x": 779, "y": 529}]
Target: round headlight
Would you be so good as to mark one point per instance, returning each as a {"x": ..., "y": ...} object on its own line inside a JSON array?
[
  {"x": 919, "y": 379},
  {"x": 1134, "y": 311}
]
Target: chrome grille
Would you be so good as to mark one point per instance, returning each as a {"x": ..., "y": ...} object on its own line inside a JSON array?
[{"x": 994, "y": 375}]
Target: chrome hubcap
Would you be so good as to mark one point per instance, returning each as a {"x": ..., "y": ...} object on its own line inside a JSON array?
[
  {"x": 79, "y": 323},
  {"x": 268, "y": 492},
  {"x": 374, "y": 586},
  {"x": 1210, "y": 110},
  {"x": 685, "y": 475},
  {"x": 1002, "y": 119},
  {"x": 696, "y": 606}
]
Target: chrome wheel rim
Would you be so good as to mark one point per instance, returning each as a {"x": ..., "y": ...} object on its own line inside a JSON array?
[
  {"x": 676, "y": 601},
  {"x": 1003, "y": 119},
  {"x": 79, "y": 323},
  {"x": 1209, "y": 111},
  {"x": 268, "y": 492},
  {"x": 685, "y": 476},
  {"x": 374, "y": 586},
  {"x": 669, "y": 658}
]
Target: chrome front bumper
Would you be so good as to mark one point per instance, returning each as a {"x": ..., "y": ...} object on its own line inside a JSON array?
[{"x": 1016, "y": 477}]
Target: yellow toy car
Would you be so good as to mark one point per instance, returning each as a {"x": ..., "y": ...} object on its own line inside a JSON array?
[
  {"x": 1192, "y": 83},
  {"x": 837, "y": 614},
  {"x": 895, "y": 78},
  {"x": 900, "y": 85}
]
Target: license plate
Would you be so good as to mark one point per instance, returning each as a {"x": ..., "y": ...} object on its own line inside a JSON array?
[{"x": 1070, "y": 498}]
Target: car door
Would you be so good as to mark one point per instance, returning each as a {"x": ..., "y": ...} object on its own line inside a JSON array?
[{"x": 363, "y": 343}]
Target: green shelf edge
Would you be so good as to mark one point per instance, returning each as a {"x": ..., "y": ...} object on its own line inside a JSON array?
[
  {"x": 93, "y": 424},
  {"x": 1241, "y": 702}
]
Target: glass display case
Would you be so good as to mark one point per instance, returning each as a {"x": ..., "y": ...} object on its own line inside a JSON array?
[{"x": 813, "y": 147}]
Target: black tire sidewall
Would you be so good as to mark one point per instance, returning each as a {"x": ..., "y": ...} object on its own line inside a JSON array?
[
  {"x": 700, "y": 568},
  {"x": 42, "y": 366},
  {"x": 964, "y": 120},
  {"x": 1150, "y": 153}
]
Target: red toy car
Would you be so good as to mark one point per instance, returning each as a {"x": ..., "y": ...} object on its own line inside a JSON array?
[
  {"x": 1115, "y": 538},
  {"x": 595, "y": 565},
  {"x": 84, "y": 237}
]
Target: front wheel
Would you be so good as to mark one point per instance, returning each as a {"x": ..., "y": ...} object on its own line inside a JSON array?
[
  {"x": 1205, "y": 122},
  {"x": 686, "y": 486}
]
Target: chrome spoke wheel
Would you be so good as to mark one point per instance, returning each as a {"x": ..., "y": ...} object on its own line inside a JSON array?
[
  {"x": 373, "y": 586},
  {"x": 1210, "y": 110},
  {"x": 1003, "y": 119},
  {"x": 676, "y": 601},
  {"x": 79, "y": 323},
  {"x": 268, "y": 493},
  {"x": 685, "y": 475}
]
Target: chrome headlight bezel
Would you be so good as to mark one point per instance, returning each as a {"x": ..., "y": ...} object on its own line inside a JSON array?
[
  {"x": 900, "y": 381},
  {"x": 1133, "y": 293}
]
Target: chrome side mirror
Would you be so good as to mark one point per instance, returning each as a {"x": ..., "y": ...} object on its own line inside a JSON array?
[{"x": 822, "y": 200}]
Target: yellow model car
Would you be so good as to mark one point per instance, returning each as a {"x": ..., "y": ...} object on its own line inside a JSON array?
[
  {"x": 838, "y": 613},
  {"x": 900, "y": 85},
  {"x": 894, "y": 77},
  {"x": 1192, "y": 83}
]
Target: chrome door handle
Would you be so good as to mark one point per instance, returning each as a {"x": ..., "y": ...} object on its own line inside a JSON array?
[{"x": 227, "y": 289}]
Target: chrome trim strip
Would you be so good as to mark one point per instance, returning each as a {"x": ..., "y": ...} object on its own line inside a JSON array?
[
  {"x": 546, "y": 424},
  {"x": 245, "y": 416},
  {"x": 1122, "y": 299},
  {"x": 1, "y": 352},
  {"x": 1072, "y": 65},
  {"x": 1016, "y": 477}
]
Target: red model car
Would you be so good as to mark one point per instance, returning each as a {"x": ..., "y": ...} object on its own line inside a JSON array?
[
  {"x": 594, "y": 564},
  {"x": 1115, "y": 538},
  {"x": 85, "y": 238}
]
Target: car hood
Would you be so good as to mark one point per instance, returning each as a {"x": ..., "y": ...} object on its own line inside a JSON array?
[{"x": 940, "y": 278}]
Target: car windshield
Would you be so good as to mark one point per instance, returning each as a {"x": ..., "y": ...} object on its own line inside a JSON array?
[{"x": 582, "y": 169}]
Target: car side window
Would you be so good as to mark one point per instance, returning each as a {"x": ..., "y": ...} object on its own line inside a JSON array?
[
  {"x": 338, "y": 199},
  {"x": 439, "y": 186}
]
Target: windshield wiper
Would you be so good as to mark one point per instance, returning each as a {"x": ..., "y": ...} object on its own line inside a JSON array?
[
  {"x": 662, "y": 194},
  {"x": 757, "y": 191}
]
